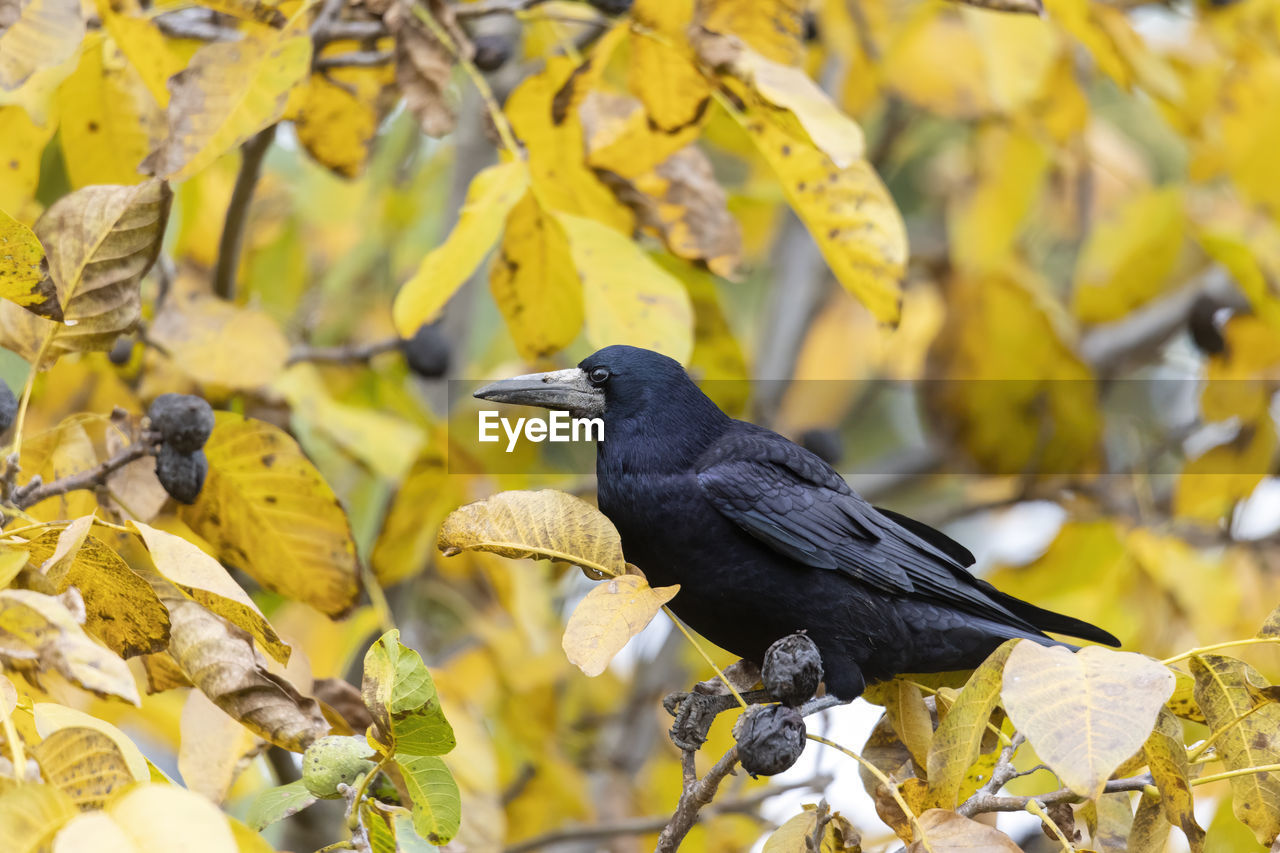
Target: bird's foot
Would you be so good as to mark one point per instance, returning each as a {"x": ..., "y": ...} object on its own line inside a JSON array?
[{"x": 697, "y": 710}]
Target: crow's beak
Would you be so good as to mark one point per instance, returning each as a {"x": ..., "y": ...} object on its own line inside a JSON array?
[{"x": 567, "y": 390}]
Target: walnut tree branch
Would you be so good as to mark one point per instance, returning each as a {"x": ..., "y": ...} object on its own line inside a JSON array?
[
  {"x": 224, "y": 272},
  {"x": 344, "y": 353},
  {"x": 36, "y": 491},
  {"x": 697, "y": 793}
]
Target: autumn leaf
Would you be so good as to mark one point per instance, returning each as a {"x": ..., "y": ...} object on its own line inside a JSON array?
[
  {"x": 612, "y": 613},
  {"x": 151, "y": 816},
  {"x": 101, "y": 241},
  {"x": 215, "y": 748},
  {"x": 773, "y": 28},
  {"x": 84, "y": 764},
  {"x": 267, "y": 510},
  {"x": 50, "y": 718},
  {"x": 22, "y": 276},
  {"x": 492, "y": 195},
  {"x": 218, "y": 343},
  {"x": 546, "y": 525},
  {"x": 838, "y": 834},
  {"x": 25, "y": 140},
  {"x": 662, "y": 72},
  {"x": 41, "y": 634},
  {"x": 1083, "y": 712},
  {"x": 424, "y": 66},
  {"x": 29, "y": 813},
  {"x": 228, "y": 92},
  {"x": 946, "y": 830},
  {"x": 1247, "y": 736},
  {"x": 42, "y": 34},
  {"x": 534, "y": 281},
  {"x": 1167, "y": 758},
  {"x": 957, "y": 743},
  {"x": 340, "y": 112},
  {"x": 401, "y": 697}
]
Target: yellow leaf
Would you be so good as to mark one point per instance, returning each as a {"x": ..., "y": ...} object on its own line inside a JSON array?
[
  {"x": 662, "y": 73},
  {"x": 43, "y": 34},
  {"x": 22, "y": 275},
  {"x": 774, "y": 28},
  {"x": 543, "y": 111},
  {"x": 628, "y": 298},
  {"x": 790, "y": 89},
  {"x": 56, "y": 453},
  {"x": 121, "y": 609},
  {"x": 1129, "y": 256},
  {"x": 1083, "y": 712},
  {"x": 546, "y": 525},
  {"x": 84, "y": 764},
  {"x": 956, "y": 88},
  {"x": 228, "y": 92},
  {"x": 340, "y": 112},
  {"x": 50, "y": 718},
  {"x": 262, "y": 11},
  {"x": 153, "y": 55},
  {"x": 266, "y": 509},
  {"x": 20, "y": 164},
  {"x": 838, "y": 835},
  {"x": 216, "y": 342},
  {"x": 31, "y": 814},
  {"x": 1167, "y": 758},
  {"x": 387, "y": 444},
  {"x": 1247, "y": 242},
  {"x": 848, "y": 211},
  {"x": 100, "y": 241},
  {"x": 41, "y": 632},
  {"x": 110, "y": 123},
  {"x": 1018, "y": 398},
  {"x": 491, "y": 196},
  {"x": 408, "y": 535},
  {"x": 94, "y": 831},
  {"x": 612, "y": 613},
  {"x": 621, "y": 138},
  {"x": 215, "y": 748},
  {"x": 203, "y": 579},
  {"x": 1225, "y": 691},
  {"x": 957, "y": 743},
  {"x": 162, "y": 818},
  {"x": 534, "y": 281},
  {"x": 985, "y": 220}
]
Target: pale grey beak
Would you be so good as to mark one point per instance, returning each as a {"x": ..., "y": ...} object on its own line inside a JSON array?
[{"x": 567, "y": 390}]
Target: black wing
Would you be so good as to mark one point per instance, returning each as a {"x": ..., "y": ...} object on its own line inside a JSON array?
[{"x": 794, "y": 502}]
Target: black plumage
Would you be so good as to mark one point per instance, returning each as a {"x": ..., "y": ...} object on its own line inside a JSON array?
[{"x": 766, "y": 539}]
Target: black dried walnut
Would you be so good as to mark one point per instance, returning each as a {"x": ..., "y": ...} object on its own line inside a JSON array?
[
  {"x": 8, "y": 406},
  {"x": 770, "y": 739},
  {"x": 181, "y": 474},
  {"x": 427, "y": 352},
  {"x": 183, "y": 421},
  {"x": 792, "y": 669},
  {"x": 491, "y": 51}
]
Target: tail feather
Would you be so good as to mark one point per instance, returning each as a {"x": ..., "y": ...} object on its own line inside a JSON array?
[{"x": 1048, "y": 620}]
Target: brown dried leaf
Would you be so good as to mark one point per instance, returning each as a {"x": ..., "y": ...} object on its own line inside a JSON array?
[
  {"x": 101, "y": 240},
  {"x": 214, "y": 749},
  {"x": 219, "y": 658},
  {"x": 1167, "y": 758},
  {"x": 949, "y": 831},
  {"x": 424, "y": 66}
]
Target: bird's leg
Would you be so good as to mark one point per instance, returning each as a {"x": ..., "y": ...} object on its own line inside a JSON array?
[{"x": 696, "y": 711}]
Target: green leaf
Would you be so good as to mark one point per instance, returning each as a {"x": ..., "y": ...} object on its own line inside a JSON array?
[
  {"x": 437, "y": 805},
  {"x": 1084, "y": 712},
  {"x": 402, "y": 699},
  {"x": 278, "y": 803}
]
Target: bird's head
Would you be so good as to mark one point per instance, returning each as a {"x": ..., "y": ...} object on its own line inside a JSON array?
[{"x": 616, "y": 382}]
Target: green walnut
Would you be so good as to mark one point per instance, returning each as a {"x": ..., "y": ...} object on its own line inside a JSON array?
[{"x": 335, "y": 760}]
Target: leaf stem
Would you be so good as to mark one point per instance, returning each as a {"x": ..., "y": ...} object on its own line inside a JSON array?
[
  {"x": 1039, "y": 811},
  {"x": 1231, "y": 774},
  {"x": 884, "y": 780},
  {"x": 15, "y": 745},
  {"x": 1251, "y": 641},
  {"x": 353, "y": 809},
  {"x": 688, "y": 636}
]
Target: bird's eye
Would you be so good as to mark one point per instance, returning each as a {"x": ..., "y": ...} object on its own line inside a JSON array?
[{"x": 598, "y": 375}]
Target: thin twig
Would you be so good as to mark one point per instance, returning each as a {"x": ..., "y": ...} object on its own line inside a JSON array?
[
  {"x": 982, "y": 803},
  {"x": 697, "y": 794},
  {"x": 654, "y": 823},
  {"x": 342, "y": 354},
  {"x": 35, "y": 491},
  {"x": 354, "y": 59},
  {"x": 252, "y": 153}
]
